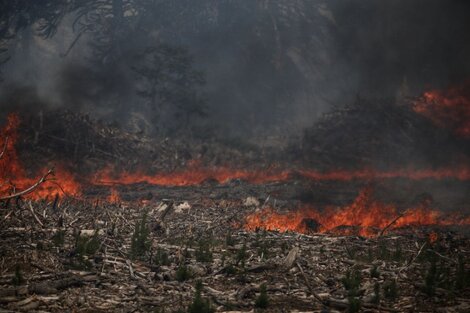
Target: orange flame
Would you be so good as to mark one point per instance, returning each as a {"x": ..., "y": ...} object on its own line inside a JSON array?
[
  {"x": 447, "y": 108},
  {"x": 114, "y": 196},
  {"x": 195, "y": 175},
  {"x": 460, "y": 173},
  {"x": 366, "y": 214},
  {"x": 433, "y": 237},
  {"x": 13, "y": 176}
]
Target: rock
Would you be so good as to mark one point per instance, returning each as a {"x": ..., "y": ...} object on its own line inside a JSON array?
[
  {"x": 162, "y": 207},
  {"x": 181, "y": 207},
  {"x": 290, "y": 258},
  {"x": 251, "y": 202},
  {"x": 91, "y": 232},
  {"x": 197, "y": 270}
]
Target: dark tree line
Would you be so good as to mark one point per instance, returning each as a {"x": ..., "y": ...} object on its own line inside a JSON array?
[
  {"x": 16, "y": 15},
  {"x": 126, "y": 57}
]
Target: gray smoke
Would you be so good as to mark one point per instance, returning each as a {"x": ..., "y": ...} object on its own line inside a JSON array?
[{"x": 271, "y": 67}]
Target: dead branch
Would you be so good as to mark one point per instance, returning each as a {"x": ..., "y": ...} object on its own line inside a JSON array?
[
  {"x": 4, "y": 148},
  {"x": 414, "y": 259},
  {"x": 391, "y": 223},
  {"x": 30, "y": 189},
  {"x": 442, "y": 256},
  {"x": 310, "y": 288},
  {"x": 34, "y": 214}
]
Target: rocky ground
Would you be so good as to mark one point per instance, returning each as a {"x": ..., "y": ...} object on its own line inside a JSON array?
[{"x": 195, "y": 256}]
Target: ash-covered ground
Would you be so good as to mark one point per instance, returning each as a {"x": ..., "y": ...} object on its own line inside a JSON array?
[
  {"x": 201, "y": 156},
  {"x": 178, "y": 225},
  {"x": 178, "y": 256}
]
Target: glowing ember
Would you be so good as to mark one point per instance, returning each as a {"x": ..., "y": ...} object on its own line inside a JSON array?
[
  {"x": 14, "y": 177},
  {"x": 114, "y": 196},
  {"x": 366, "y": 214},
  {"x": 433, "y": 237},
  {"x": 449, "y": 108}
]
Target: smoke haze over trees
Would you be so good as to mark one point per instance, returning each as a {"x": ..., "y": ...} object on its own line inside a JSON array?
[{"x": 232, "y": 67}]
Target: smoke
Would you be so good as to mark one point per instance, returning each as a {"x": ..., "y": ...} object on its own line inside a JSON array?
[
  {"x": 271, "y": 67},
  {"x": 423, "y": 43}
]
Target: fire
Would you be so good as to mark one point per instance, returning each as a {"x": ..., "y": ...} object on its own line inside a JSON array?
[
  {"x": 193, "y": 175},
  {"x": 447, "y": 108},
  {"x": 14, "y": 177},
  {"x": 196, "y": 175},
  {"x": 433, "y": 237},
  {"x": 365, "y": 213},
  {"x": 460, "y": 173},
  {"x": 114, "y": 196}
]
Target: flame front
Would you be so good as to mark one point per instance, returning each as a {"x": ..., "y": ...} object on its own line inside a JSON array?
[
  {"x": 196, "y": 175},
  {"x": 447, "y": 108},
  {"x": 14, "y": 177},
  {"x": 114, "y": 196},
  {"x": 366, "y": 214}
]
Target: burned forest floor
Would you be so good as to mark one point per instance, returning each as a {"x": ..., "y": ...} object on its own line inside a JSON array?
[
  {"x": 195, "y": 255},
  {"x": 168, "y": 229}
]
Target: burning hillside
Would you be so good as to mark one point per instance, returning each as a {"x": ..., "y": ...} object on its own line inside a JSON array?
[
  {"x": 234, "y": 156},
  {"x": 124, "y": 205}
]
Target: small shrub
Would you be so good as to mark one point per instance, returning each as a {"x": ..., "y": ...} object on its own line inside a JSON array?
[
  {"x": 140, "y": 243},
  {"x": 285, "y": 247},
  {"x": 161, "y": 258},
  {"x": 374, "y": 272},
  {"x": 263, "y": 250},
  {"x": 200, "y": 305},
  {"x": 462, "y": 279},
  {"x": 204, "y": 253},
  {"x": 376, "y": 298},
  {"x": 383, "y": 253},
  {"x": 241, "y": 256},
  {"x": 230, "y": 270},
  {"x": 186, "y": 253},
  {"x": 18, "y": 277},
  {"x": 40, "y": 246},
  {"x": 59, "y": 238},
  {"x": 397, "y": 253},
  {"x": 370, "y": 255},
  {"x": 352, "y": 252},
  {"x": 223, "y": 258},
  {"x": 390, "y": 290},
  {"x": 352, "y": 281},
  {"x": 93, "y": 245},
  {"x": 354, "y": 305},
  {"x": 183, "y": 273},
  {"x": 230, "y": 240},
  {"x": 430, "y": 279},
  {"x": 262, "y": 301},
  {"x": 85, "y": 245}
]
